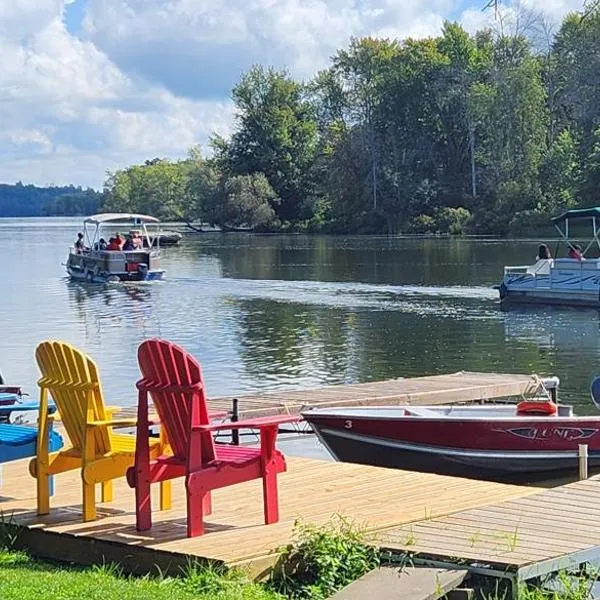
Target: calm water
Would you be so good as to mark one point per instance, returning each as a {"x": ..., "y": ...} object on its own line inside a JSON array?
[{"x": 283, "y": 312}]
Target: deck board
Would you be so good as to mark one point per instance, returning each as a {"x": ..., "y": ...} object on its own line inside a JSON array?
[
  {"x": 311, "y": 490},
  {"x": 435, "y": 389},
  {"x": 548, "y": 526}
]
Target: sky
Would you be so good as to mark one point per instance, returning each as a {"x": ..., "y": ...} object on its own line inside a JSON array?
[{"x": 90, "y": 86}]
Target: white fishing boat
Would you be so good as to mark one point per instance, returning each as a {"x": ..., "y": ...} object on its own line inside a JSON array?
[
  {"x": 573, "y": 280},
  {"x": 95, "y": 261}
]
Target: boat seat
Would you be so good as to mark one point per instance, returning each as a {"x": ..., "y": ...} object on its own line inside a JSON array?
[{"x": 419, "y": 411}]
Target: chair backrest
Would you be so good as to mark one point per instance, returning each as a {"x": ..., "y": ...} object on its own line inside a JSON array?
[
  {"x": 72, "y": 380},
  {"x": 166, "y": 365}
]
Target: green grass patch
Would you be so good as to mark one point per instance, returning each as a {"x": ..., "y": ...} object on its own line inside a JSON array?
[{"x": 23, "y": 578}]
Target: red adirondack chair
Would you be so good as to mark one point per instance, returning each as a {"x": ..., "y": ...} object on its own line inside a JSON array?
[{"x": 173, "y": 378}]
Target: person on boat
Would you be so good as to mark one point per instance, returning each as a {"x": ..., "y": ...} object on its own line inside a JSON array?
[
  {"x": 79, "y": 245},
  {"x": 575, "y": 252},
  {"x": 138, "y": 244},
  {"x": 114, "y": 244},
  {"x": 544, "y": 252},
  {"x": 100, "y": 245},
  {"x": 128, "y": 245}
]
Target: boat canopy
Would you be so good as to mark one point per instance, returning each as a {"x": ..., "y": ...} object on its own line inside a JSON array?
[
  {"x": 119, "y": 217},
  {"x": 579, "y": 213},
  {"x": 561, "y": 223}
]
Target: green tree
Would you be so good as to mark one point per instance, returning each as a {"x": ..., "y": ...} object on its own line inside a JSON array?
[
  {"x": 275, "y": 134},
  {"x": 158, "y": 187},
  {"x": 245, "y": 201}
]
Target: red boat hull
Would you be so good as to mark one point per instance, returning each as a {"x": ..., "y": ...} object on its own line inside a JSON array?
[{"x": 467, "y": 447}]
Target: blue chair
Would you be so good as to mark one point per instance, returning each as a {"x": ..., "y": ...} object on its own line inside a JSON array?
[{"x": 20, "y": 441}]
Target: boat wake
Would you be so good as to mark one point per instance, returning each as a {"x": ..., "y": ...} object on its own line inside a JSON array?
[{"x": 450, "y": 300}]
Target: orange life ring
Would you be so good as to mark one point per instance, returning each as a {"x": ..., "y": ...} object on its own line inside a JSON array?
[{"x": 540, "y": 407}]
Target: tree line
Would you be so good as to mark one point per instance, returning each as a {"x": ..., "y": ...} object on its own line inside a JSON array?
[
  {"x": 490, "y": 133},
  {"x": 20, "y": 200}
]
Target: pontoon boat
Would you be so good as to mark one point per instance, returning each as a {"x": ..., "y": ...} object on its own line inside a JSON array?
[
  {"x": 94, "y": 264},
  {"x": 568, "y": 281}
]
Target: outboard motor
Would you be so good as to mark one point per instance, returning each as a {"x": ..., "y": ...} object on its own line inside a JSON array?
[{"x": 143, "y": 270}]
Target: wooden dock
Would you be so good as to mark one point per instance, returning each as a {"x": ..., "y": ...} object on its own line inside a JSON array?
[
  {"x": 518, "y": 539},
  {"x": 435, "y": 389},
  {"x": 311, "y": 490}
]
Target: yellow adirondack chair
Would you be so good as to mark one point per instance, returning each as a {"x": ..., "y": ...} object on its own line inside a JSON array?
[{"x": 72, "y": 379}]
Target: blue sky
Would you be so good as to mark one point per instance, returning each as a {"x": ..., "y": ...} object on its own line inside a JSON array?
[
  {"x": 74, "y": 15},
  {"x": 96, "y": 85}
]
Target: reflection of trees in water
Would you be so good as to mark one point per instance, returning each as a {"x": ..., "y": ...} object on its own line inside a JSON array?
[
  {"x": 299, "y": 344},
  {"x": 567, "y": 340},
  {"x": 291, "y": 343},
  {"x": 362, "y": 259}
]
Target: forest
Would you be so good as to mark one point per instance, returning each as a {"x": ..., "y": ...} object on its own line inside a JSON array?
[
  {"x": 485, "y": 133},
  {"x": 20, "y": 200}
]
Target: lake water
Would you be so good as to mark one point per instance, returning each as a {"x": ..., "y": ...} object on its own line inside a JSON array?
[{"x": 266, "y": 312}]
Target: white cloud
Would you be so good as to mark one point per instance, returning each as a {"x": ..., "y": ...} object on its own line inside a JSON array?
[
  {"x": 67, "y": 113},
  {"x": 149, "y": 78},
  {"x": 200, "y": 47}
]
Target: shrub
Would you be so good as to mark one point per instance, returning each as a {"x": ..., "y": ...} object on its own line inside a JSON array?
[{"x": 322, "y": 560}]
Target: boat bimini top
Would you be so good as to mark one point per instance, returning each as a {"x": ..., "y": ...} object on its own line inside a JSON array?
[{"x": 561, "y": 223}]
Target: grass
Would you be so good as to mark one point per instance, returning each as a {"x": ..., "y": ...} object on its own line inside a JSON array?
[
  {"x": 23, "y": 578},
  {"x": 565, "y": 586}
]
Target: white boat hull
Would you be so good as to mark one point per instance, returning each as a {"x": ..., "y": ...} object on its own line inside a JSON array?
[{"x": 562, "y": 281}]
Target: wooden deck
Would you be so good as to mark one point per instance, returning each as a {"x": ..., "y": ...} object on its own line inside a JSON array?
[
  {"x": 520, "y": 538},
  {"x": 435, "y": 389},
  {"x": 311, "y": 490}
]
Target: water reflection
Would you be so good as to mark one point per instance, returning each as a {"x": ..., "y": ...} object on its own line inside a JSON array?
[{"x": 567, "y": 339}]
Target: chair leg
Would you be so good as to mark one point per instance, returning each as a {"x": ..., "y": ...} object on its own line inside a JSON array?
[
  {"x": 270, "y": 496},
  {"x": 107, "y": 491},
  {"x": 143, "y": 506},
  {"x": 89, "y": 501},
  {"x": 195, "y": 514},
  {"x": 166, "y": 494},
  {"x": 207, "y": 503},
  {"x": 43, "y": 491}
]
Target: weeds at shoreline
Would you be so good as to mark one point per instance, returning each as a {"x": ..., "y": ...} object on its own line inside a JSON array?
[{"x": 322, "y": 560}]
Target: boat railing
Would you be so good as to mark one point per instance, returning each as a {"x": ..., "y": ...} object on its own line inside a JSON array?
[
  {"x": 520, "y": 269},
  {"x": 541, "y": 267}
]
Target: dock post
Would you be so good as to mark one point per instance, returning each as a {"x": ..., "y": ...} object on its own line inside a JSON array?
[
  {"x": 235, "y": 416},
  {"x": 583, "y": 461}
]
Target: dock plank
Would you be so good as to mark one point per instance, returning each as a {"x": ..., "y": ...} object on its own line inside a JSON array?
[{"x": 543, "y": 527}]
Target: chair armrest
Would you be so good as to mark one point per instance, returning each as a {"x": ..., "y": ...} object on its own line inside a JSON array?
[
  {"x": 111, "y": 410},
  {"x": 257, "y": 423},
  {"x": 113, "y": 423},
  {"x": 218, "y": 414}
]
